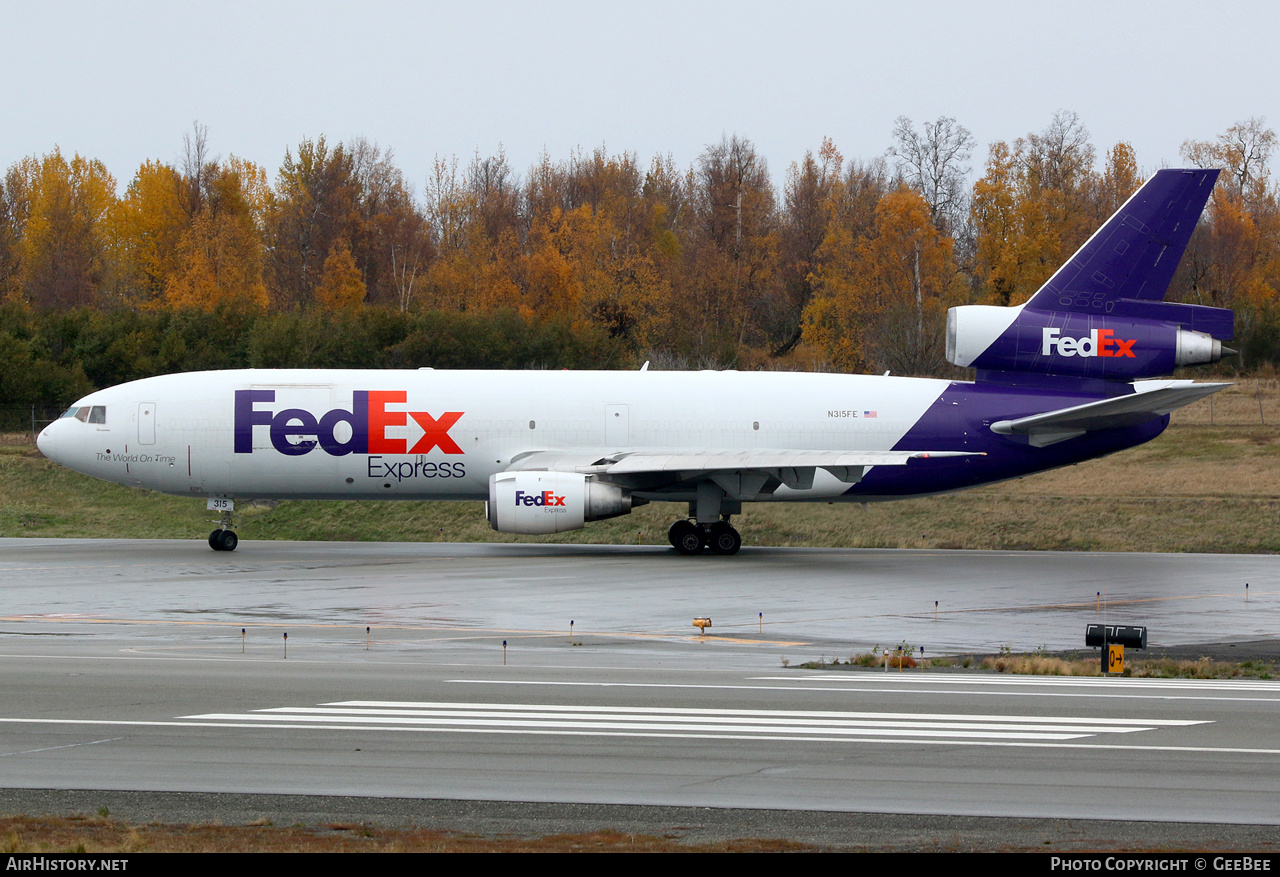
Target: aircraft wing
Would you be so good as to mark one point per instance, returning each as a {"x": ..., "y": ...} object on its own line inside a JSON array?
[
  {"x": 741, "y": 473},
  {"x": 1152, "y": 399}
]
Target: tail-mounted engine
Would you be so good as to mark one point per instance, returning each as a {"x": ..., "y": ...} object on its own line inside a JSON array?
[
  {"x": 538, "y": 503},
  {"x": 1088, "y": 345}
]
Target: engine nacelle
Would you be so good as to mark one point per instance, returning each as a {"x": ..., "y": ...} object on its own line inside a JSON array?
[
  {"x": 537, "y": 503},
  {"x": 1080, "y": 344}
]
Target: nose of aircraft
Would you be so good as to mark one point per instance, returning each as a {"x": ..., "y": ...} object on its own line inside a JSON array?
[{"x": 45, "y": 441}]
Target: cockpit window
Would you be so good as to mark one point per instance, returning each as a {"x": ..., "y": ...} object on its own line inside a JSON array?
[{"x": 87, "y": 413}]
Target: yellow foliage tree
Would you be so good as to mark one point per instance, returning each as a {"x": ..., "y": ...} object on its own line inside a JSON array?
[
  {"x": 61, "y": 208},
  {"x": 1013, "y": 236},
  {"x": 341, "y": 287},
  {"x": 1234, "y": 257},
  {"x": 879, "y": 302},
  {"x": 1120, "y": 178},
  {"x": 1036, "y": 204},
  {"x": 220, "y": 260},
  {"x": 148, "y": 225}
]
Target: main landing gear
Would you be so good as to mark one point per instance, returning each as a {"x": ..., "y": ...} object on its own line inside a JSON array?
[
  {"x": 688, "y": 537},
  {"x": 710, "y": 511},
  {"x": 224, "y": 538}
]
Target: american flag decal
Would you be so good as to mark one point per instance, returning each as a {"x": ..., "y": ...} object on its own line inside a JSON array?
[{"x": 868, "y": 414}]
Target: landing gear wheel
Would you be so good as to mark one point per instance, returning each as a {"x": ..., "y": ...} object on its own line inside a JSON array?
[
  {"x": 723, "y": 539},
  {"x": 223, "y": 540},
  {"x": 685, "y": 537}
]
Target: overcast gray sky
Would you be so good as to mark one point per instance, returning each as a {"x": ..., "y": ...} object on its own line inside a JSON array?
[{"x": 124, "y": 81}]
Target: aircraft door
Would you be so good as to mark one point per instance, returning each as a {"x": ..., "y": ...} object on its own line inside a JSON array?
[{"x": 146, "y": 423}]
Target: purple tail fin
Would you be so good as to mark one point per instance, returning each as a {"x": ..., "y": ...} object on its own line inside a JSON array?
[{"x": 1133, "y": 256}]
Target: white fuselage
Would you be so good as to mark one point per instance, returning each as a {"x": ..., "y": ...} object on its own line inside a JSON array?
[{"x": 426, "y": 434}]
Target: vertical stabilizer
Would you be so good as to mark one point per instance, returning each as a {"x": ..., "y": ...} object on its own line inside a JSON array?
[{"x": 1134, "y": 254}]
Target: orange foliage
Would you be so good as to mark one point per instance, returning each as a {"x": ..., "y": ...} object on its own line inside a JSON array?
[{"x": 340, "y": 286}]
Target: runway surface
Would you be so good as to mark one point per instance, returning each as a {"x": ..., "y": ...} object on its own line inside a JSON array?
[{"x": 122, "y": 667}]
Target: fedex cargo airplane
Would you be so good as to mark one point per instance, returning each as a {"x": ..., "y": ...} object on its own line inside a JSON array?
[{"x": 1071, "y": 374}]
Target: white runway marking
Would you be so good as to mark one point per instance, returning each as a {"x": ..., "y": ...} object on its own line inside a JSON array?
[{"x": 689, "y": 722}]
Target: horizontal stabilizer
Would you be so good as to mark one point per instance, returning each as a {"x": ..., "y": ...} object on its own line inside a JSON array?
[{"x": 1152, "y": 399}]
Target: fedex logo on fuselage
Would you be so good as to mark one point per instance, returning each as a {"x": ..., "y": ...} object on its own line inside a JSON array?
[
  {"x": 1099, "y": 342},
  {"x": 296, "y": 431},
  {"x": 546, "y": 498}
]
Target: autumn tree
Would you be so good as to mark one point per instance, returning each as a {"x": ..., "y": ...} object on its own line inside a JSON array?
[
  {"x": 1234, "y": 256},
  {"x": 1120, "y": 178},
  {"x": 1008, "y": 227},
  {"x": 340, "y": 286},
  {"x": 59, "y": 208},
  {"x": 448, "y": 210},
  {"x": 198, "y": 166},
  {"x": 10, "y": 234},
  {"x": 1057, "y": 167},
  {"x": 220, "y": 254},
  {"x": 1035, "y": 205},
  {"x": 149, "y": 223},
  {"x": 315, "y": 205},
  {"x": 935, "y": 162},
  {"x": 394, "y": 247},
  {"x": 885, "y": 308},
  {"x": 827, "y": 325},
  {"x": 808, "y": 194},
  {"x": 475, "y": 222},
  {"x": 607, "y": 228},
  {"x": 1244, "y": 152},
  {"x": 731, "y": 261},
  {"x": 496, "y": 191}
]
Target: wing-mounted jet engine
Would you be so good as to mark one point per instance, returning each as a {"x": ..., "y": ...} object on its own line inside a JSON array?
[{"x": 538, "y": 503}]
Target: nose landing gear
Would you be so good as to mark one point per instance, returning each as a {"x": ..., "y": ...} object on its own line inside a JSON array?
[{"x": 224, "y": 538}]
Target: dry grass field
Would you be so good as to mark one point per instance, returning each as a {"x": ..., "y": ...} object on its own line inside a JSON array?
[{"x": 86, "y": 834}]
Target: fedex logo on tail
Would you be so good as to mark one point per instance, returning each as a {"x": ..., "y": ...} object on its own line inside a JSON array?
[
  {"x": 296, "y": 431},
  {"x": 545, "y": 498},
  {"x": 1099, "y": 342}
]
